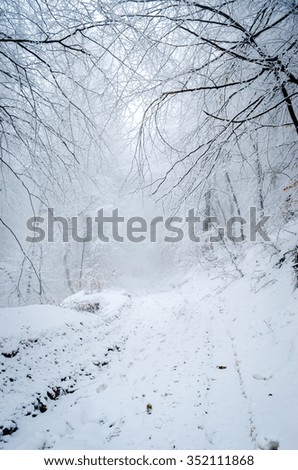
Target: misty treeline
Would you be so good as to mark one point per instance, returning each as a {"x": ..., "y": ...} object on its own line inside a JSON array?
[{"x": 150, "y": 106}]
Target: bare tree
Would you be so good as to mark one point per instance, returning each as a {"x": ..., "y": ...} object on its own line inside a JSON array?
[
  {"x": 233, "y": 63},
  {"x": 48, "y": 103}
]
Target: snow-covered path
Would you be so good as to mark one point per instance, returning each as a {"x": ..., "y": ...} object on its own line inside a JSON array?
[
  {"x": 214, "y": 378},
  {"x": 171, "y": 363}
]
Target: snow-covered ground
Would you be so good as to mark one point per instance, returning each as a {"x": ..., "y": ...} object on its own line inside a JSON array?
[{"x": 208, "y": 363}]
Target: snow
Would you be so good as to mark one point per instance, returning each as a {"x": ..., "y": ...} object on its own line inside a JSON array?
[
  {"x": 108, "y": 301},
  {"x": 214, "y": 356}
]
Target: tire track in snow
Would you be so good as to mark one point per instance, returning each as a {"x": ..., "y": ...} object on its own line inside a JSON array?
[
  {"x": 237, "y": 365},
  {"x": 253, "y": 431}
]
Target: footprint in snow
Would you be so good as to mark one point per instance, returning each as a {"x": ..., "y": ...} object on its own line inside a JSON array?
[
  {"x": 262, "y": 377},
  {"x": 116, "y": 433}
]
